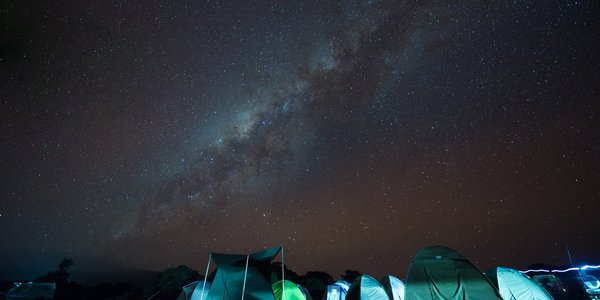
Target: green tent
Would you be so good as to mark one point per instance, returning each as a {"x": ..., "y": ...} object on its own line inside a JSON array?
[
  {"x": 287, "y": 291},
  {"x": 366, "y": 287},
  {"x": 441, "y": 273},
  {"x": 304, "y": 292},
  {"x": 513, "y": 285},
  {"x": 245, "y": 277}
]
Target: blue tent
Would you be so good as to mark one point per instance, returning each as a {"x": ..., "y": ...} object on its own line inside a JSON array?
[{"x": 338, "y": 290}]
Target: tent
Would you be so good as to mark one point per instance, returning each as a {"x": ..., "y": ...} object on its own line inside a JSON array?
[
  {"x": 287, "y": 291},
  {"x": 193, "y": 291},
  {"x": 393, "y": 287},
  {"x": 366, "y": 287},
  {"x": 338, "y": 290},
  {"x": 245, "y": 277},
  {"x": 441, "y": 273},
  {"x": 513, "y": 285},
  {"x": 304, "y": 292}
]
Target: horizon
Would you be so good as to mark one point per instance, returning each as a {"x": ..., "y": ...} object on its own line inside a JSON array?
[
  {"x": 85, "y": 270},
  {"x": 352, "y": 133}
]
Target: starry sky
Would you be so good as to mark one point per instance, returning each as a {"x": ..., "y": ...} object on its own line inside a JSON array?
[{"x": 353, "y": 133}]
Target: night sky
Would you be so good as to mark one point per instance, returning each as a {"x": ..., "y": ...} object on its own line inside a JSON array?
[{"x": 353, "y": 133}]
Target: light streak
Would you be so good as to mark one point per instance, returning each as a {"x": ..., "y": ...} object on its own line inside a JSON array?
[{"x": 586, "y": 267}]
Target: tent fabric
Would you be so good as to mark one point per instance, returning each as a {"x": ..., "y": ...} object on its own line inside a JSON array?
[
  {"x": 304, "y": 292},
  {"x": 338, "y": 290},
  {"x": 229, "y": 279},
  {"x": 366, "y": 287},
  {"x": 199, "y": 294},
  {"x": 441, "y": 273},
  {"x": 229, "y": 259},
  {"x": 393, "y": 287},
  {"x": 193, "y": 291},
  {"x": 287, "y": 291},
  {"x": 187, "y": 290},
  {"x": 513, "y": 285}
]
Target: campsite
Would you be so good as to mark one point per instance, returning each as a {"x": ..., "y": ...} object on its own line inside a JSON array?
[
  {"x": 299, "y": 149},
  {"x": 435, "y": 272}
]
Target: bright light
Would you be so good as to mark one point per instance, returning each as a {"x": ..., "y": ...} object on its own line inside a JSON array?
[
  {"x": 563, "y": 271},
  {"x": 590, "y": 267}
]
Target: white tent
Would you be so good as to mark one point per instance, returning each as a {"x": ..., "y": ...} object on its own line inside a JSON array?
[
  {"x": 513, "y": 285},
  {"x": 366, "y": 287},
  {"x": 338, "y": 290},
  {"x": 394, "y": 287}
]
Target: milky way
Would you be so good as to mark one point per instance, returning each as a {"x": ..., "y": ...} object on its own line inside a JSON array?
[{"x": 352, "y": 133}]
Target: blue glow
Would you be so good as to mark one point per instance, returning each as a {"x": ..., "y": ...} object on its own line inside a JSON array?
[
  {"x": 592, "y": 285},
  {"x": 563, "y": 271}
]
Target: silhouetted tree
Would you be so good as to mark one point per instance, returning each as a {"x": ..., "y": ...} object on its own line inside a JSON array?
[
  {"x": 61, "y": 275},
  {"x": 350, "y": 275},
  {"x": 276, "y": 273},
  {"x": 170, "y": 281},
  {"x": 118, "y": 290},
  {"x": 65, "y": 289},
  {"x": 316, "y": 283}
]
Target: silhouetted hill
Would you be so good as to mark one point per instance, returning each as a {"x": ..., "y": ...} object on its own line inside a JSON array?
[{"x": 86, "y": 270}]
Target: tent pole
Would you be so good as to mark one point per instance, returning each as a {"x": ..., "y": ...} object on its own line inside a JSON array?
[
  {"x": 245, "y": 273},
  {"x": 282, "y": 276},
  {"x": 205, "y": 276}
]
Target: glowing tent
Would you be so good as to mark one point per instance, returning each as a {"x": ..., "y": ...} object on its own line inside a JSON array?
[
  {"x": 287, "y": 290},
  {"x": 366, "y": 287},
  {"x": 513, "y": 285},
  {"x": 193, "y": 291},
  {"x": 442, "y": 273},
  {"x": 245, "y": 277},
  {"x": 338, "y": 290},
  {"x": 304, "y": 292},
  {"x": 393, "y": 287}
]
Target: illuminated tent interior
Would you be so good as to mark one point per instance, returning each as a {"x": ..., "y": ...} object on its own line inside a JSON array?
[{"x": 287, "y": 290}]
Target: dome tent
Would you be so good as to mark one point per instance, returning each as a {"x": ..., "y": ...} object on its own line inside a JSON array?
[
  {"x": 338, "y": 290},
  {"x": 441, "y": 273},
  {"x": 287, "y": 291},
  {"x": 245, "y": 277},
  {"x": 305, "y": 292},
  {"x": 366, "y": 287},
  {"x": 194, "y": 291},
  {"x": 393, "y": 287},
  {"x": 513, "y": 285}
]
